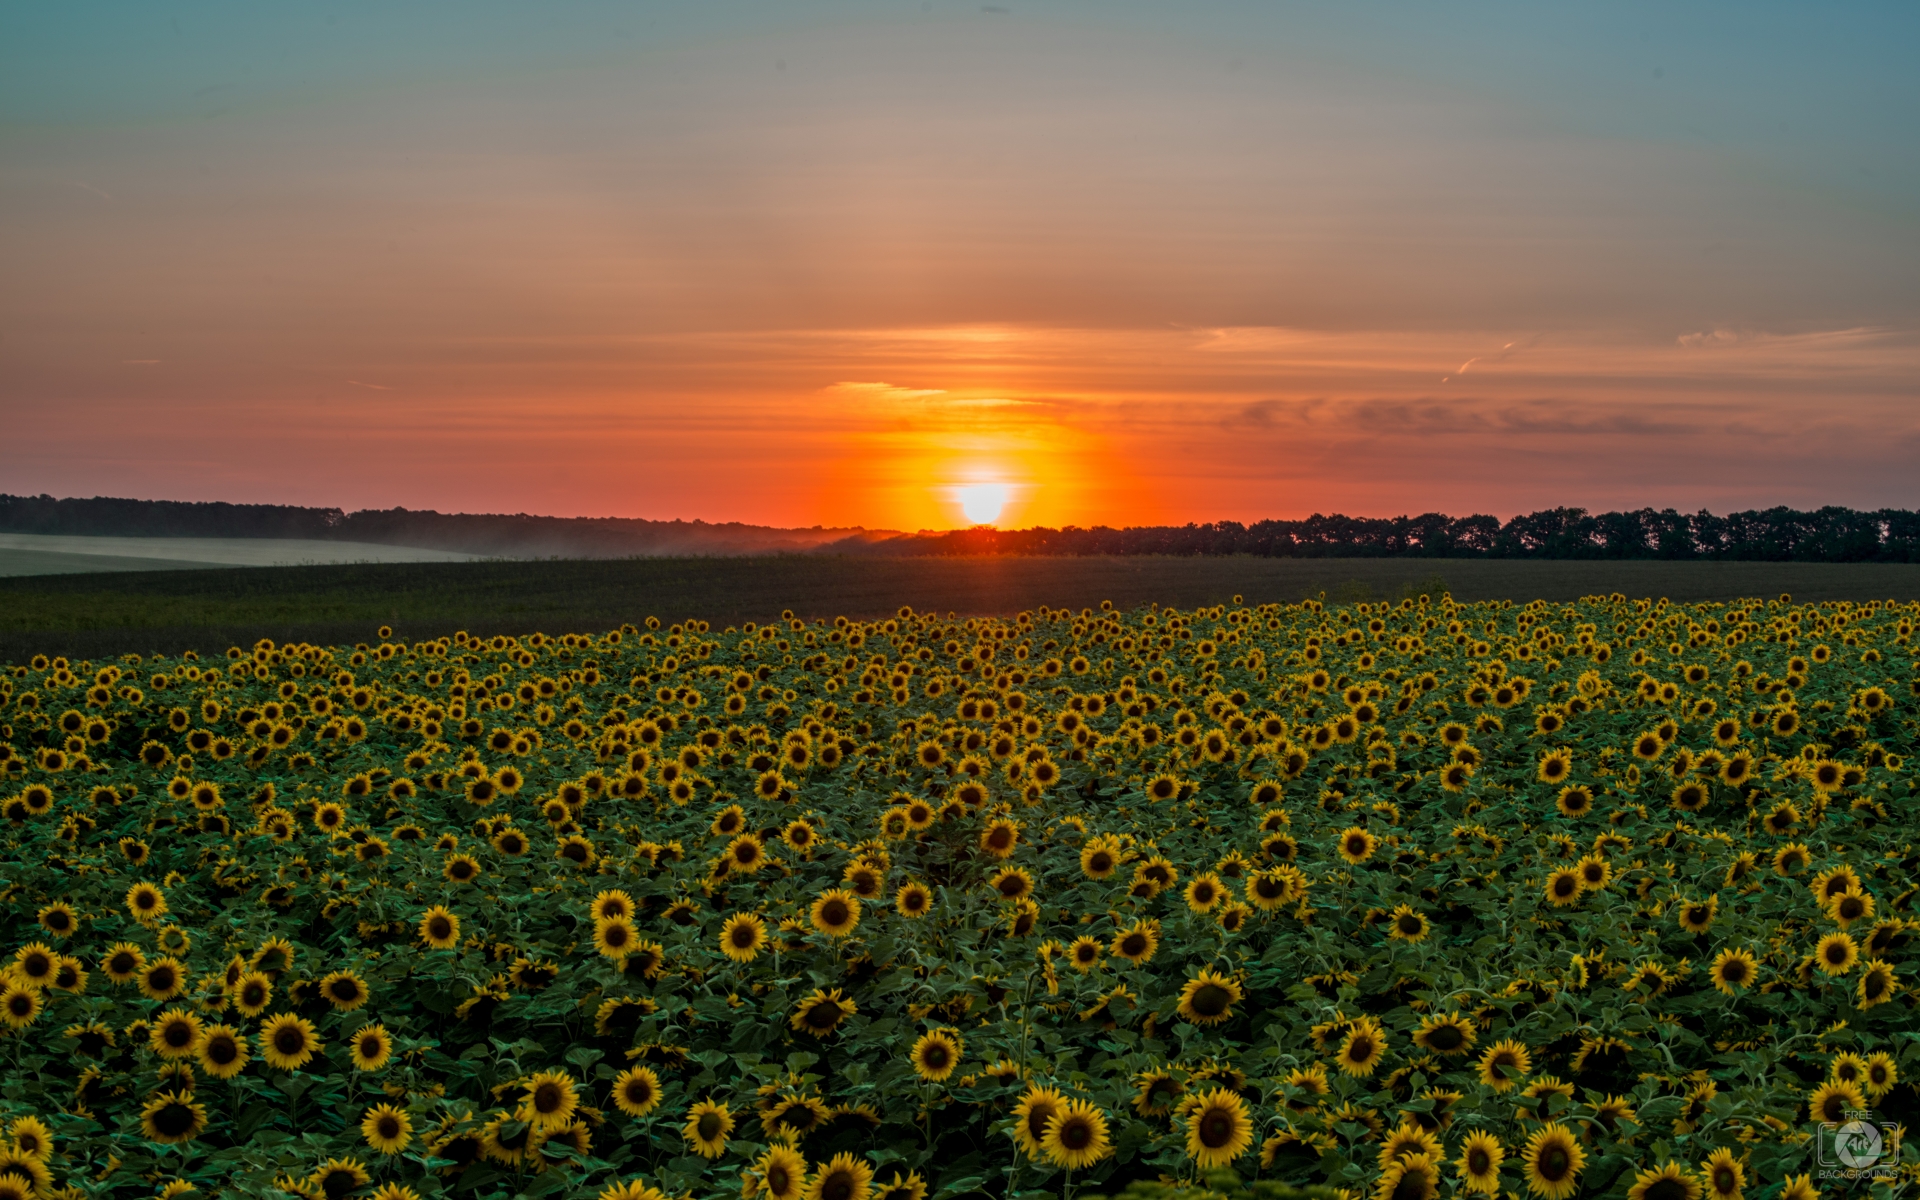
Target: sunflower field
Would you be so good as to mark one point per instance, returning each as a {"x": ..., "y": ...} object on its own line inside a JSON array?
[{"x": 1612, "y": 898}]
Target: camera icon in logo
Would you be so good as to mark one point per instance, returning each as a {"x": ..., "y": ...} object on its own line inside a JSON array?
[{"x": 1857, "y": 1148}]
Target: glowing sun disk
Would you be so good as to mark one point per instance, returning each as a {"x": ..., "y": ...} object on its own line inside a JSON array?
[{"x": 982, "y": 502}]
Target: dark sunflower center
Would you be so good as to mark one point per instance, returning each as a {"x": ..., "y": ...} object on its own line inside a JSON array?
[
  {"x": 222, "y": 1050},
  {"x": 1211, "y": 1000},
  {"x": 1076, "y": 1135},
  {"x": 440, "y": 928},
  {"x": 840, "y": 1185},
  {"x": 1667, "y": 1188},
  {"x": 1445, "y": 1037},
  {"x": 743, "y": 936},
  {"x": 1037, "y": 1118},
  {"x": 1216, "y": 1129},
  {"x": 824, "y": 1015},
  {"x": 1133, "y": 945},
  {"x": 290, "y": 1040},
  {"x": 548, "y": 1098},
  {"x": 1734, "y": 971},
  {"x": 834, "y": 913},
  {"x": 179, "y": 1034},
  {"x": 1554, "y": 1163},
  {"x": 1724, "y": 1181},
  {"x": 1409, "y": 925},
  {"x": 1361, "y": 1050},
  {"x": 1412, "y": 1186},
  {"x": 389, "y": 1127},
  {"x": 1479, "y": 1162},
  {"x": 174, "y": 1120},
  {"x": 639, "y": 1091},
  {"x": 709, "y": 1127}
]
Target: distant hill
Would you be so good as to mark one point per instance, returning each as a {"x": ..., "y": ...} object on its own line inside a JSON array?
[{"x": 499, "y": 535}]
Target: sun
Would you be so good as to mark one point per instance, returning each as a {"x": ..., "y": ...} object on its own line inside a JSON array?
[{"x": 982, "y": 502}]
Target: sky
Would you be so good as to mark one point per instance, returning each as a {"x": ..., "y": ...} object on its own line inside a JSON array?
[{"x": 911, "y": 265}]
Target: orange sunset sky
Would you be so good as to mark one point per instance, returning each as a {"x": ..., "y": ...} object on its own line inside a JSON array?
[{"x": 835, "y": 263}]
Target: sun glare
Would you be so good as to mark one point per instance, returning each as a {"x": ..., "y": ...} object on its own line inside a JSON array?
[{"x": 982, "y": 502}]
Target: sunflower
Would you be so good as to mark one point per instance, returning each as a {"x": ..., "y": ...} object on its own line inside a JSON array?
[
  {"x": 175, "y": 1033},
  {"x": 344, "y": 990},
  {"x": 1013, "y": 883},
  {"x": 1076, "y": 1136},
  {"x": 795, "y": 1116},
  {"x": 1836, "y": 954},
  {"x": 782, "y": 1173},
  {"x": 742, "y": 937},
  {"x": 370, "y": 1048},
  {"x": 1406, "y": 925},
  {"x": 1362, "y": 1049},
  {"x": 1268, "y": 890},
  {"x": 913, "y": 900},
  {"x": 505, "y": 1137},
  {"x": 146, "y": 902},
  {"x": 1669, "y": 1182},
  {"x": 615, "y": 937},
  {"x": 902, "y": 1187},
  {"x": 636, "y": 1091},
  {"x": 1036, "y": 1110},
  {"x": 844, "y": 1177},
  {"x": 287, "y": 1042},
  {"x": 1595, "y": 872},
  {"x": 1554, "y": 1161},
  {"x": 1799, "y": 1187},
  {"x": 1877, "y": 983},
  {"x": 1218, "y": 1129},
  {"x": 821, "y": 1013},
  {"x": 1208, "y": 998},
  {"x": 1479, "y": 1163},
  {"x": 836, "y": 913},
  {"x": 1563, "y": 887},
  {"x": 549, "y": 1100},
  {"x": 1204, "y": 892},
  {"x": 222, "y": 1051},
  {"x": 461, "y": 868},
  {"x": 1086, "y": 953},
  {"x": 1696, "y": 916},
  {"x": 1726, "y": 1176},
  {"x": 440, "y": 928},
  {"x": 1574, "y": 801},
  {"x": 252, "y": 993},
  {"x": 707, "y": 1127},
  {"x": 1412, "y": 1177},
  {"x": 1450, "y": 1034},
  {"x": 339, "y": 1177},
  {"x": 1000, "y": 838},
  {"x": 1734, "y": 970},
  {"x": 163, "y": 979},
  {"x": 1555, "y": 766},
  {"x": 1408, "y": 1138},
  {"x": 1357, "y": 845},
  {"x": 935, "y": 1055},
  {"x": 31, "y": 1137},
  {"x": 1137, "y": 942},
  {"x": 172, "y": 1118},
  {"x": 1504, "y": 1064},
  {"x": 1831, "y": 1101},
  {"x": 15, "y": 1186},
  {"x": 745, "y": 854},
  {"x": 387, "y": 1130},
  {"x": 1099, "y": 859},
  {"x": 1154, "y": 1093},
  {"x": 1881, "y": 1074},
  {"x": 1846, "y": 908}
]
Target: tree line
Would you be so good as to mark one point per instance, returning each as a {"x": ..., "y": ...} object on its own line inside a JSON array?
[
  {"x": 1766, "y": 535},
  {"x": 1830, "y": 534}
]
